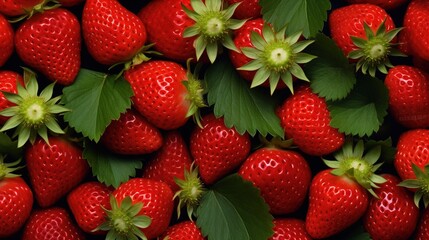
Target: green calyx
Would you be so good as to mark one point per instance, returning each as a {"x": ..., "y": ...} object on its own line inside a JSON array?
[
  {"x": 352, "y": 162},
  {"x": 196, "y": 91},
  {"x": 374, "y": 51},
  {"x": 421, "y": 183},
  {"x": 7, "y": 169},
  {"x": 39, "y": 8},
  {"x": 32, "y": 114},
  {"x": 276, "y": 57},
  {"x": 123, "y": 221},
  {"x": 190, "y": 193},
  {"x": 213, "y": 26}
]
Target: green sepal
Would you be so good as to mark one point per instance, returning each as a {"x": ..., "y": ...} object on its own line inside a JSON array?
[
  {"x": 7, "y": 169},
  {"x": 420, "y": 183}
]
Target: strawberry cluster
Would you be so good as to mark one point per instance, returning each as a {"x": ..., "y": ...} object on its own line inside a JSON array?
[{"x": 258, "y": 126}]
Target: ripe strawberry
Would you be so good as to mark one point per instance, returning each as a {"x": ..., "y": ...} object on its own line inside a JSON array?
[
  {"x": 393, "y": 215},
  {"x": 247, "y": 9},
  {"x": 386, "y": 4},
  {"x": 305, "y": 118},
  {"x": 289, "y": 228},
  {"x": 51, "y": 223},
  {"x": 217, "y": 149},
  {"x": 365, "y": 32},
  {"x": 131, "y": 134},
  {"x": 412, "y": 148},
  {"x": 416, "y": 27},
  {"x": 54, "y": 169},
  {"x": 14, "y": 8},
  {"x": 170, "y": 161},
  {"x": 86, "y": 202},
  {"x": 111, "y": 33},
  {"x": 8, "y": 83},
  {"x": 16, "y": 199},
  {"x": 423, "y": 227},
  {"x": 165, "y": 93},
  {"x": 186, "y": 230},
  {"x": 6, "y": 40},
  {"x": 282, "y": 176},
  {"x": 408, "y": 96}
]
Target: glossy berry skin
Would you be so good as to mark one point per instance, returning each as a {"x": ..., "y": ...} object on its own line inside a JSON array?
[
  {"x": 111, "y": 33},
  {"x": 51, "y": 224},
  {"x": 335, "y": 203},
  {"x": 412, "y": 147},
  {"x": 304, "y": 117},
  {"x": 86, "y": 202},
  {"x": 386, "y": 4},
  {"x": 165, "y": 22},
  {"x": 159, "y": 94},
  {"x": 8, "y": 83},
  {"x": 289, "y": 229},
  {"x": 132, "y": 134},
  {"x": 393, "y": 216},
  {"x": 6, "y": 40},
  {"x": 282, "y": 176},
  {"x": 408, "y": 96},
  {"x": 423, "y": 226},
  {"x": 14, "y": 8},
  {"x": 348, "y": 21},
  {"x": 416, "y": 28},
  {"x": 186, "y": 230},
  {"x": 217, "y": 149},
  {"x": 170, "y": 161},
  {"x": 157, "y": 199},
  {"x": 54, "y": 170},
  {"x": 16, "y": 202},
  {"x": 248, "y": 9},
  {"x": 50, "y": 42}
]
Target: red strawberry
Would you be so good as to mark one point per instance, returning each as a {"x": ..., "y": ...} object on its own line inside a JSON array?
[
  {"x": 14, "y": 8},
  {"x": 160, "y": 94},
  {"x": 289, "y": 228},
  {"x": 305, "y": 118},
  {"x": 112, "y": 33},
  {"x": 386, "y": 4},
  {"x": 408, "y": 96},
  {"x": 217, "y": 149},
  {"x": 6, "y": 40},
  {"x": 131, "y": 134},
  {"x": 54, "y": 169},
  {"x": 8, "y": 83},
  {"x": 50, "y": 42},
  {"x": 170, "y": 161},
  {"x": 417, "y": 29},
  {"x": 423, "y": 227},
  {"x": 393, "y": 215},
  {"x": 186, "y": 230},
  {"x": 52, "y": 223},
  {"x": 16, "y": 200},
  {"x": 86, "y": 202},
  {"x": 412, "y": 148},
  {"x": 247, "y": 9},
  {"x": 282, "y": 176}
]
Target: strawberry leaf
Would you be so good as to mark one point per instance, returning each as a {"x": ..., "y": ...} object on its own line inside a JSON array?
[
  {"x": 236, "y": 207},
  {"x": 364, "y": 109},
  {"x": 307, "y": 16},
  {"x": 110, "y": 169},
  {"x": 248, "y": 110},
  {"x": 95, "y": 99},
  {"x": 9, "y": 147},
  {"x": 330, "y": 68}
]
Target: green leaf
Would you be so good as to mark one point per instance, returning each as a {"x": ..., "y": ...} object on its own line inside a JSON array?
[
  {"x": 9, "y": 147},
  {"x": 248, "y": 110},
  {"x": 95, "y": 99},
  {"x": 110, "y": 169},
  {"x": 388, "y": 151},
  {"x": 363, "y": 111},
  {"x": 236, "y": 207},
  {"x": 307, "y": 16},
  {"x": 330, "y": 68}
]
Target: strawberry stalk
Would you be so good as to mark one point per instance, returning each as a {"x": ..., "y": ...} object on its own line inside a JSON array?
[
  {"x": 195, "y": 93},
  {"x": 45, "y": 5},
  {"x": 421, "y": 184}
]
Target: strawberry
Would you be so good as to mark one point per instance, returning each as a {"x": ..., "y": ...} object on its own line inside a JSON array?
[
  {"x": 131, "y": 134},
  {"x": 305, "y": 118},
  {"x": 416, "y": 27},
  {"x": 217, "y": 149},
  {"x": 50, "y": 43},
  {"x": 247, "y": 9},
  {"x": 165, "y": 93},
  {"x": 423, "y": 226},
  {"x": 112, "y": 33},
  {"x": 16, "y": 199},
  {"x": 86, "y": 202},
  {"x": 186, "y": 230},
  {"x": 8, "y": 83},
  {"x": 386, "y": 4},
  {"x": 393, "y": 215},
  {"x": 408, "y": 96},
  {"x": 366, "y": 33},
  {"x": 54, "y": 169},
  {"x": 51, "y": 223},
  {"x": 170, "y": 161},
  {"x": 282, "y": 176},
  {"x": 289, "y": 228},
  {"x": 14, "y": 8},
  {"x": 139, "y": 207},
  {"x": 6, "y": 40}
]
